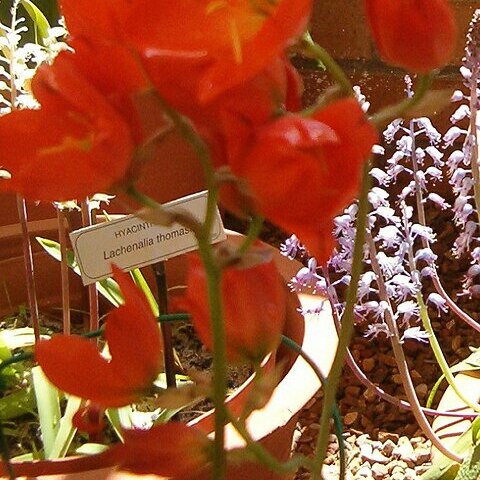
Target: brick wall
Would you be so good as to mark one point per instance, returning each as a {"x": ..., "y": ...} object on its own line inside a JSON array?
[{"x": 340, "y": 27}]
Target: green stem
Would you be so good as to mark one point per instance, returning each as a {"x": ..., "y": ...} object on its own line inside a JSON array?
[
  {"x": 196, "y": 142},
  {"x": 166, "y": 216},
  {"x": 213, "y": 273},
  {"x": 383, "y": 117},
  {"x": 254, "y": 230},
  {"x": 347, "y": 325},
  {"x": 337, "y": 418},
  {"x": 313, "y": 50},
  {"x": 266, "y": 458}
]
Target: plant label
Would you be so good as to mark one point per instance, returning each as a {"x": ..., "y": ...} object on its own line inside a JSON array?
[{"x": 132, "y": 242}]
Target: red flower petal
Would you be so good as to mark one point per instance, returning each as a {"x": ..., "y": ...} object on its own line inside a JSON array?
[
  {"x": 303, "y": 171},
  {"x": 238, "y": 39},
  {"x": 95, "y": 19},
  {"x": 75, "y": 365},
  {"x": 89, "y": 419},
  {"x": 170, "y": 450},
  {"x": 137, "y": 362},
  {"x": 76, "y": 136},
  {"x": 419, "y": 35},
  {"x": 253, "y": 307}
]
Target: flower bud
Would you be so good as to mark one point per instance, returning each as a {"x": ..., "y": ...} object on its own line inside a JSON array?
[
  {"x": 253, "y": 299},
  {"x": 418, "y": 35}
]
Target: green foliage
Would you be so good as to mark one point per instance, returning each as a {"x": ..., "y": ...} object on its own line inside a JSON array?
[
  {"x": 469, "y": 364},
  {"x": 40, "y": 22},
  {"x": 446, "y": 469},
  {"x": 107, "y": 287}
]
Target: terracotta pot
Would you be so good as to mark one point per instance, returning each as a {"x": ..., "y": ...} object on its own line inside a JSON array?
[{"x": 273, "y": 426}]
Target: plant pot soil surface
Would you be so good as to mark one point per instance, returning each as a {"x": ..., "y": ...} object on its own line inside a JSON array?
[{"x": 382, "y": 441}]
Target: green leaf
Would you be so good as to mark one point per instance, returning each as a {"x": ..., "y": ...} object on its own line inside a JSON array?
[
  {"x": 17, "y": 404},
  {"x": 444, "y": 468},
  {"x": 91, "y": 449},
  {"x": 120, "y": 418},
  {"x": 66, "y": 430},
  {"x": 42, "y": 26},
  {"x": 48, "y": 406},
  {"x": 26, "y": 457},
  {"x": 470, "y": 468},
  {"x": 469, "y": 364},
  {"x": 108, "y": 287},
  {"x": 142, "y": 284}
]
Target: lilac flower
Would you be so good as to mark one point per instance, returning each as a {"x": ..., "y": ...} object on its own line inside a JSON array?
[
  {"x": 378, "y": 197},
  {"x": 407, "y": 310},
  {"x": 364, "y": 285},
  {"x": 439, "y": 302},
  {"x": 425, "y": 255},
  {"x": 463, "y": 111},
  {"x": 452, "y": 134},
  {"x": 380, "y": 176},
  {"x": 375, "y": 329},
  {"x": 416, "y": 333},
  {"x": 390, "y": 236},
  {"x": 431, "y": 132},
  {"x": 436, "y": 156},
  {"x": 291, "y": 246},
  {"x": 401, "y": 286},
  {"x": 457, "y": 96},
  {"x": 434, "y": 173},
  {"x": 307, "y": 278},
  {"x": 454, "y": 160},
  {"x": 392, "y": 129},
  {"x": 390, "y": 265},
  {"x": 438, "y": 200}
]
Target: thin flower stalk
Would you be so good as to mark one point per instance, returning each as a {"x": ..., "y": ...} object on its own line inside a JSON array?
[
  {"x": 62, "y": 237},
  {"x": 21, "y": 204},
  {"x": 401, "y": 360},
  {"x": 420, "y": 209},
  {"x": 310, "y": 49},
  {"x": 213, "y": 272},
  {"x": 363, "y": 379},
  {"x": 87, "y": 220},
  {"x": 427, "y": 324},
  {"x": 347, "y": 327}
]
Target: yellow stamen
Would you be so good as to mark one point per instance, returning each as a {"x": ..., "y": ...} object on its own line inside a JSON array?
[
  {"x": 68, "y": 143},
  {"x": 216, "y": 5},
  {"x": 236, "y": 42}
]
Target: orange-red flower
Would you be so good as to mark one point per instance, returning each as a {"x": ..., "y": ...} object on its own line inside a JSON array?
[
  {"x": 418, "y": 35},
  {"x": 303, "y": 171},
  {"x": 74, "y": 364},
  {"x": 253, "y": 305},
  {"x": 89, "y": 419},
  {"x": 103, "y": 19},
  {"x": 227, "y": 41},
  {"x": 169, "y": 450},
  {"x": 76, "y": 144}
]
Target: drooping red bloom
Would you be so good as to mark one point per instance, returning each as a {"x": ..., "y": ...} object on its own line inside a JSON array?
[
  {"x": 223, "y": 43},
  {"x": 253, "y": 305},
  {"x": 89, "y": 419},
  {"x": 169, "y": 450},
  {"x": 418, "y": 35},
  {"x": 76, "y": 144},
  {"x": 75, "y": 366},
  {"x": 103, "y": 19},
  {"x": 303, "y": 171}
]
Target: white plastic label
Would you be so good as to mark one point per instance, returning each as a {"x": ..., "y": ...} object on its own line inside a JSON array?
[{"x": 132, "y": 242}]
